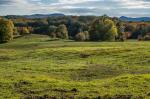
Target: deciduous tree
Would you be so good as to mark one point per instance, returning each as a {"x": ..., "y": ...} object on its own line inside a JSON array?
[
  {"x": 62, "y": 32},
  {"x": 6, "y": 30},
  {"x": 103, "y": 30}
]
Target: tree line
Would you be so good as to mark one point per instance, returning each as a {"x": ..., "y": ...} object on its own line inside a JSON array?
[{"x": 79, "y": 28}]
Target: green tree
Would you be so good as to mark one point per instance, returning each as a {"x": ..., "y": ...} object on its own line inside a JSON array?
[
  {"x": 121, "y": 31},
  {"x": 52, "y": 31},
  {"x": 103, "y": 29},
  {"x": 6, "y": 30},
  {"x": 62, "y": 32},
  {"x": 111, "y": 31}
]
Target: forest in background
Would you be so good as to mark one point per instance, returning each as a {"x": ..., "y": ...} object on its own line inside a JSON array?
[{"x": 79, "y": 28}]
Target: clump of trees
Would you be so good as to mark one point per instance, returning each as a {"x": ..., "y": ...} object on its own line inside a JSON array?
[
  {"x": 138, "y": 31},
  {"x": 23, "y": 31},
  {"x": 103, "y": 30},
  {"x": 58, "y": 32},
  {"x": 6, "y": 30}
]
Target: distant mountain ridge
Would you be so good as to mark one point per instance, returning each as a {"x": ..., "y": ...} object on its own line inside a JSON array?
[
  {"x": 124, "y": 18},
  {"x": 43, "y": 15},
  {"x": 35, "y": 15}
]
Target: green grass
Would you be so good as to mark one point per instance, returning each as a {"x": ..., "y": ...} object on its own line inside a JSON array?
[{"x": 35, "y": 66}]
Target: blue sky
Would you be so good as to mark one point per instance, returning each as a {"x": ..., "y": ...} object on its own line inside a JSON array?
[{"x": 132, "y": 8}]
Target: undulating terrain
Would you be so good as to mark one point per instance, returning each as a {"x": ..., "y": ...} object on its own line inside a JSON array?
[{"x": 37, "y": 67}]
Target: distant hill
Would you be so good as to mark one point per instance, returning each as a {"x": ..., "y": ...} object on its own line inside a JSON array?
[
  {"x": 135, "y": 19},
  {"x": 35, "y": 15},
  {"x": 43, "y": 15}
]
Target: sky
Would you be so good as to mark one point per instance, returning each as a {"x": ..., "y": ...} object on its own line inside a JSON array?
[{"x": 130, "y": 8}]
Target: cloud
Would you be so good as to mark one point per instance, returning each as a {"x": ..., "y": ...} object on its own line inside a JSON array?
[{"x": 77, "y": 7}]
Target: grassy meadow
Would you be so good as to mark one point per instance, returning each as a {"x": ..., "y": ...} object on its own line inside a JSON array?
[{"x": 37, "y": 67}]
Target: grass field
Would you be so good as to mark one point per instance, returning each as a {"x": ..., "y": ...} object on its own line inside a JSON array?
[{"x": 36, "y": 67}]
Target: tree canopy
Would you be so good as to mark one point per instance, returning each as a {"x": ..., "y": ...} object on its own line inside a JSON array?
[
  {"x": 6, "y": 30},
  {"x": 62, "y": 32},
  {"x": 103, "y": 30}
]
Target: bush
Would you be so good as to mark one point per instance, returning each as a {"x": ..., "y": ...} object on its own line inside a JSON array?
[
  {"x": 87, "y": 36},
  {"x": 147, "y": 38},
  {"x": 6, "y": 30},
  {"x": 82, "y": 36}
]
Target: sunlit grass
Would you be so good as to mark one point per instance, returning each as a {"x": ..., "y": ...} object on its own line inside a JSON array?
[{"x": 36, "y": 66}]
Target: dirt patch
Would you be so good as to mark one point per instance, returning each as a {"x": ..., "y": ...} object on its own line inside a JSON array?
[
  {"x": 95, "y": 72},
  {"x": 73, "y": 90},
  {"x": 84, "y": 55},
  {"x": 122, "y": 97},
  {"x": 62, "y": 94},
  {"x": 19, "y": 87},
  {"x": 21, "y": 84},
  {"x": 4, "y": 58}
]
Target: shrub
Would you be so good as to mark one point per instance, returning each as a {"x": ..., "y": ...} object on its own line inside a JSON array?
[
  {"x": 140, "y": 38},
  {"x": 87, "y": 36},
  {"x": 82, "y": 36},
  {"x": 147, "y": 38}
]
